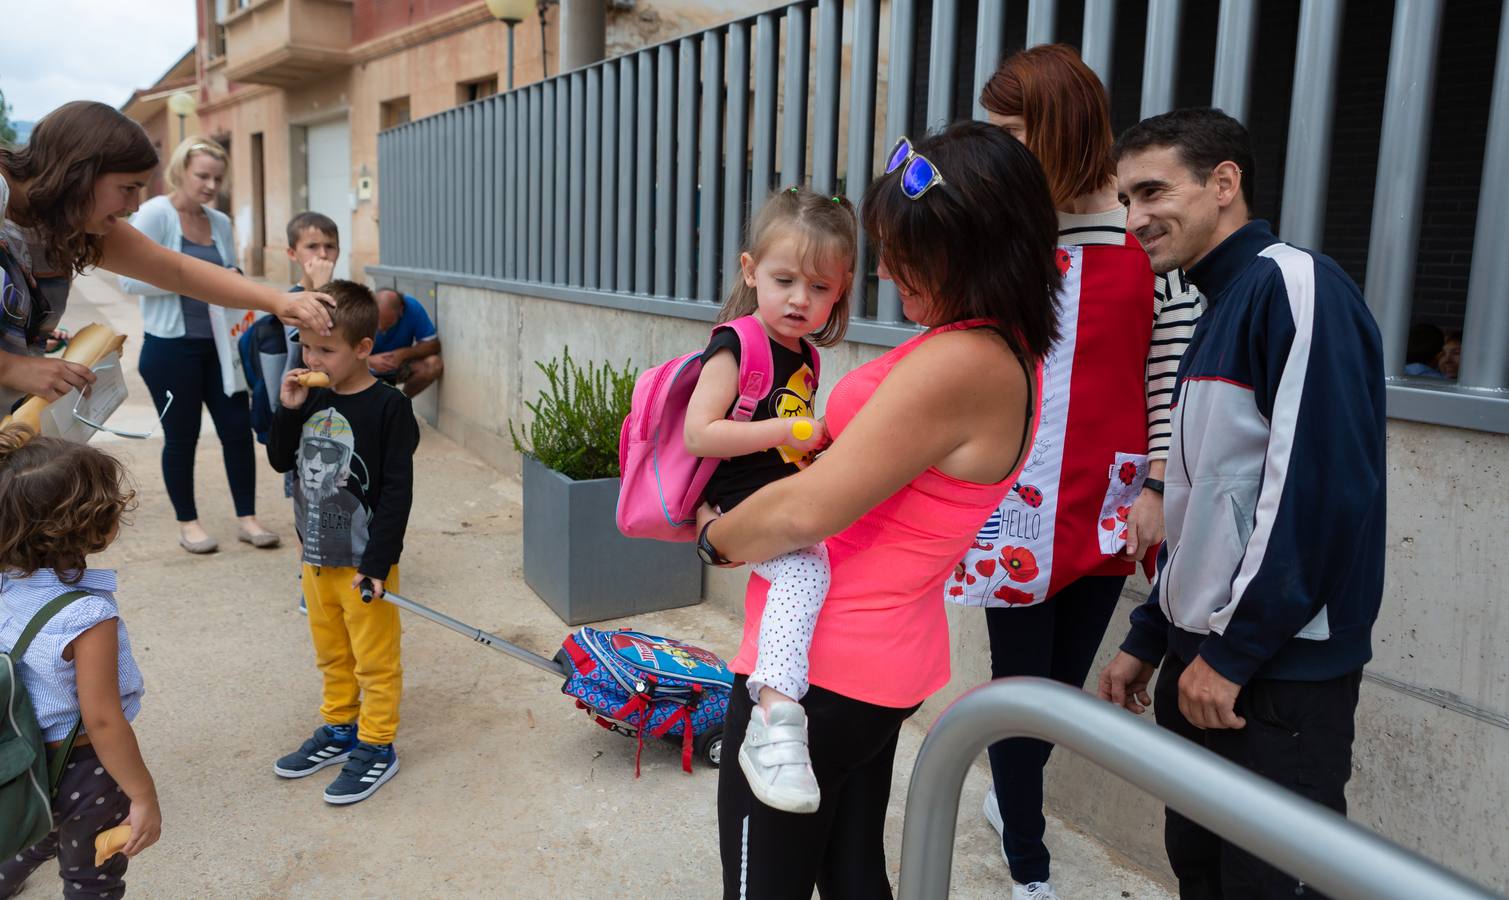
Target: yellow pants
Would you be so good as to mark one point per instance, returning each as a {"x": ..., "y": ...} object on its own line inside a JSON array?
[{"x": 356, "y": 647}]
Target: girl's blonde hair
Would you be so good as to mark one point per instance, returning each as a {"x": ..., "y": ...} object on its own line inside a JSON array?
[
  {"x": 178, "y": 163},
  {"x": 60, "y": 502},
  {"x": 827, "y": 229}
]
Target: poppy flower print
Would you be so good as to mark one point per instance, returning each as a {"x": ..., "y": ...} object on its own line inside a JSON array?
[
  {"x": 1020, "y": 564},
  {"x": 963, "y": 579},
  {"x": 1127, "y": 473},
  {"x": 986, "y": 567},
  {"x": 1013, "y": 597},
  {"x": 1120, "y": 521}
]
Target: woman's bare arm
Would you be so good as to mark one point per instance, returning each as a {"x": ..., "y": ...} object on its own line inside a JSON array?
[
  {"x": 944, "y": 405},
  {"x": 130, "y": 253}
]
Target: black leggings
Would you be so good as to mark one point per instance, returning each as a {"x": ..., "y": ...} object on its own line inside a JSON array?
[
  {"x": 190, "y": 368},
  {"x": 1055, "y": 639},
  {"x": 840, "y": 849}
]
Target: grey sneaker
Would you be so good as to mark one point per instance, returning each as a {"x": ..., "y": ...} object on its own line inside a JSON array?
[
  {"x": 775, "y": 759},
  {"x": 1037, "y": 890}
]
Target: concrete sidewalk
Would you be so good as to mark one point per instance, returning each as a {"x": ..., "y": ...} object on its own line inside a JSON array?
[{"x": 506, "y": 790}]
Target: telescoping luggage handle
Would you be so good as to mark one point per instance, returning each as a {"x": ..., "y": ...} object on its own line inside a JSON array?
[{"x": 485, "y": 638}]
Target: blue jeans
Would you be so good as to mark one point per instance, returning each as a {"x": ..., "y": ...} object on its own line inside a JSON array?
[
  {"x": 190, "y": 368},
  {"x": 1055, "y": 639}
]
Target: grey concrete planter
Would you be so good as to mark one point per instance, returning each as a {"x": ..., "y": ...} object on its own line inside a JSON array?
[{"x": 579, "y": 564}]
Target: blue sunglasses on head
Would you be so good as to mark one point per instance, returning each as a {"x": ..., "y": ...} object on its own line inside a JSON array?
[{"x": 918, "y": 174}]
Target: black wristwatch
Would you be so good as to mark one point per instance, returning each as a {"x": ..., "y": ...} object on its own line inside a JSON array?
[
  {"x": 706, "y": 550},
  {"x": 1153, "y": 484}
]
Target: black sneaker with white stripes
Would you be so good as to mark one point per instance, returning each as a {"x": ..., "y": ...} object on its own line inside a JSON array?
[
  {"x": 330, "y": 746},
  {"x": 369, "y": 768}
]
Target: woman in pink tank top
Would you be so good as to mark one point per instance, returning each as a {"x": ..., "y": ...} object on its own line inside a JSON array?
[{"x": 927, "y": 440}]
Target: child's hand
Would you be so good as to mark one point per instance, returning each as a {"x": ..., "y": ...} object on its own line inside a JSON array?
[
  {"x": 319, "y": 271},
  {"x": 291, "y": 393},
  {"x": 145, "y": 820},
  {"x": 806, "y": 434},
  {"x": 374, "y": 583}
]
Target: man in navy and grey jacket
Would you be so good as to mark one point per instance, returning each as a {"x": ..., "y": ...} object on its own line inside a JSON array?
[{"x": 1272, "y": 574}]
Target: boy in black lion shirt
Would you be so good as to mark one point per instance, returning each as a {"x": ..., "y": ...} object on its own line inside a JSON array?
[{"x": 351, "y": 448}]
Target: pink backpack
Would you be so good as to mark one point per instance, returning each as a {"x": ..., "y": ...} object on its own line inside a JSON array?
[{"x": 662, "y": 484}]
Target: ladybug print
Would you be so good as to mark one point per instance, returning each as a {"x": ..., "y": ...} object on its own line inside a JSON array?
[
  {"x": 1063, "y": 259},
  {"x": 1127, "y": 473},
  {"x": 1029, "y": 494}
]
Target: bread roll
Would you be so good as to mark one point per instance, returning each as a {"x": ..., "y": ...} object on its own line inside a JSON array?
[
  {"x": 109, "y": 842},
  {"x": 314, "y": 379}
]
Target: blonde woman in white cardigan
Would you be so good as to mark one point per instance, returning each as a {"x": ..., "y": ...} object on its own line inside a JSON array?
[{"x": 190, "y": 347}]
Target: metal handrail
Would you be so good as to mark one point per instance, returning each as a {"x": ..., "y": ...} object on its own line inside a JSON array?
[{"x": 1303, "y": 838}]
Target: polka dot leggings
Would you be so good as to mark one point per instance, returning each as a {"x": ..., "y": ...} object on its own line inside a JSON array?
[
  {"x": 88, "y": 802},
  {"x": 798, "y": 585}
]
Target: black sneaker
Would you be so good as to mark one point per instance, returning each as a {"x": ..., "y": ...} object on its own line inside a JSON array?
[
  {"x": 330, "y": 746},
  {"x": 369, "y": 768}
]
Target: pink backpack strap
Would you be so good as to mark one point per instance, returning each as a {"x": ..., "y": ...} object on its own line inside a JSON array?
[
  {"x": 817, "y": 364},
  {"x": 756, "y": 367}
]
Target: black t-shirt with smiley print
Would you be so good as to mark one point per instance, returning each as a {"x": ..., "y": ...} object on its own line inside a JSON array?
[{"x": 795, "y": 386}]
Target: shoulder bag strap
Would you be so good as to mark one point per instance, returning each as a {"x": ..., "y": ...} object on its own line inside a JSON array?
[
  {"x": 756, "y": 367},
  {"x": 28, "y": 634}
]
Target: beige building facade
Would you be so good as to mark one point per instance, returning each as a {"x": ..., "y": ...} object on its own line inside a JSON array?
[{"x": 298, "y": 90}]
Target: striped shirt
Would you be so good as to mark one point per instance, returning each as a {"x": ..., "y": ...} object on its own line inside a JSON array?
[
  {"x": 50, "y": 680},
  {"x": 1176, "y": 308}
]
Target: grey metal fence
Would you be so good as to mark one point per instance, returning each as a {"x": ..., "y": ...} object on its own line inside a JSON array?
[
  {"x": 1314, "y": 844},
  {"x": 627, "y": 183}
]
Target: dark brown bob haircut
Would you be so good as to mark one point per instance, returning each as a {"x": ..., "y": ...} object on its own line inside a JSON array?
[
  {"x": 355, "y": 313},
  {"x": 1067, "y": 116},
  {"x": 60, "y": 502},
  {"x": 68, "y": 151},
  {"x": 981, "y": 245}
]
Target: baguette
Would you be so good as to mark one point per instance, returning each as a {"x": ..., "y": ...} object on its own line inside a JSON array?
[{"x": 93, "y": 343}]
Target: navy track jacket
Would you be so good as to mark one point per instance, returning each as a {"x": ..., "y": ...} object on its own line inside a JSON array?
[{"x": 1273, "y": 566}]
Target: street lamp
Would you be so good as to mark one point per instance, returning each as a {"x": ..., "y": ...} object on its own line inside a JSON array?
[
  {"x": 182, "y": 105},
  {"x": 510, "y": 13}
]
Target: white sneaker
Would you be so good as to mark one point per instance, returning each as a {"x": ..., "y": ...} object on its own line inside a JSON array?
[
  {"x": 1036, "y": 890},
  {"x": 775, "y": 760},
  {"x": 993, "y": 813},
  {"x": 993, "y": 816}
]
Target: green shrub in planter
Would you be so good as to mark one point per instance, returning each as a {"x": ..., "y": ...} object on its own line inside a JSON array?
[
  {"x": 577, "y": 418},
  {"x": 574, "y": 556}
]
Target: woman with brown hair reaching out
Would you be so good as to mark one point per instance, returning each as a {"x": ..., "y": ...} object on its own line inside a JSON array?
[{"x": 64, "y": 197}]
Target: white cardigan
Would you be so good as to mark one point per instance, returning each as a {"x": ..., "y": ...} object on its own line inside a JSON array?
[{"x": 162, "y": 312}]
